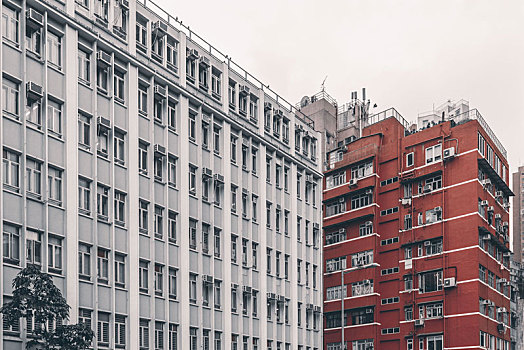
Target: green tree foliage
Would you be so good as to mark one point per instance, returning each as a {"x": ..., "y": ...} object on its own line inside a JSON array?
[{"x": 36, "y": 297}]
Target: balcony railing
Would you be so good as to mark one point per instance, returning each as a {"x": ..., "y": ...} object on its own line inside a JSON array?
[
  {"x": 380, "y": 116},
  {"x": 473, "y": 114}
]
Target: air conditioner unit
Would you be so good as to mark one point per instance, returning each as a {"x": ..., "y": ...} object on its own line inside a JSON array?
[
  {"x": 353, "y": 182},
  {"x": 34, "y": 91},
  {"x": 279, "y": 207},
  {"x": 207, "y": 279},
  {"x": 506, "y": 206},
  {"x": 426, "y": 243},
  {"x": 498, "y": 194},
  {"x": 369, "y": 223},
  {"x": 281, "y": 298},
  {"x": 309, "y": 306},
  {"x": 486, "y": 237},
  {"x": 103, "y": 123},
  {"x": 192, "y": 53},
  {"x": 219, "y": 178},
  {"x": 503, "y": 280},
  {"x": 344, "y": 149},
  {"x": 267, "y": 105},
  {"x": 342, "y": 230},
  {"x": 369, "y": 191},
  {"x": 243, "y": 89},
  {"x": 234, "y": 286},
  {"x": 124, "y": 4},
  {"x": 450, "y": 282},
  {"x": 271, "y": 296},
  {"x": 316, "y": 225},
  {"x": 484, "y": 203},
  {"x": 491, "y": 208},
  {"x": 204, "y": 61},
  {"x": 486, "y": 182},
  {"x": 159, "y": 28},
  {"x": 104, "y": 59},
  {"x": 505, "y": 224},
  {"x": 160, "y": 150},
  {"x": 419, "y": 322},
  {"x": 34, "y": 20},
  {"x": 448, "y": 153},
  {"x": 207, "y": 172},
  {"x": 309, "y": 178},
  {"x": 341, "y": 200},
  {"x": 438, "y": 209},
  {"x": 160, "y": 91},
  {"x": 498, "y": 217},
  {"x": 406, "y": 201},
  {"x": 317, "y": 309},
  {"x": 485, "y": 302},
  {"x": 330, "y": 267},
  {"x": 276, "y": 111},
  {"x": 427, "y": 188},
  {"x": 507, "y": 254},
  {"x": 246, "y": 289}
]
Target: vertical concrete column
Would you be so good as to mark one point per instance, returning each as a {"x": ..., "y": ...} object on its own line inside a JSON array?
[
  {"x": 262, "y": 246},
  {"x": 132, "y": 206},
  {"x": 71, "y": 170}
]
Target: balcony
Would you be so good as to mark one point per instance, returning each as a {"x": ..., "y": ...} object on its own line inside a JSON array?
[
  {"x": 364, "y": 152},
  {"x": 351, "y": 215}
]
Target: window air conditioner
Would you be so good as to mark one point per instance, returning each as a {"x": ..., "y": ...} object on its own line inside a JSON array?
[
  {"x": 369, "y": 223},
  {"x": 219, "y": 178},
  {"x": 498, "y": 217},
  {"x": 34, "y": 20},
  {"x": 498, "y": 194},
  {"x": 207, "y": 172},
  {"x": 427, "y": 188},
  {"x": 369, "y": 191},
  {"x": 267, "y": 105},
  {"x": 160, "y": 150},
  {"x": 484, "y": 203},
  {"x": 207, "y": 279},
  {"x": 104, "y": 59},
  {"x": 341, "y": 200},
  {"x": 486, "y": 182},
  {"x": 159, "y": 28},
  {"x": 103, "y": 123},
  {"x": 124, "y": 4},
  {"x": 160, "y": 92},
  {"x": 491, "y": 208},
  {"x": 486, "y": 237},
  {"x": 204, "y": 61},
  {"x": 406, "y": 201},
  {"x": 243, "y": 89},
  {"x": 353, "y": 182},
  {"x": 438, "y": 209},
  {"x": 192, "y": 53},
  {"x": 426, "y": 243},
  {"x": 246, "y": 289},
  {"x": 419, "y": 322},
  {"x": 34, "y": 91}
]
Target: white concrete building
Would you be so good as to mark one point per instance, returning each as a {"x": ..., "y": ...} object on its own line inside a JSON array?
[{"x": 182, "y": 206}]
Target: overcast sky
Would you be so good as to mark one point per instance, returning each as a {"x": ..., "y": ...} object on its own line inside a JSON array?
[{"x": 410, "y": 55}]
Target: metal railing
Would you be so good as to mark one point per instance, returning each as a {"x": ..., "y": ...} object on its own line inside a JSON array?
[
  {"x": 317, "y": 97},
  {"x": 388, "y": 113},
  {"x": 474, "y": 114},
  {"x": 176, "y": 24}
]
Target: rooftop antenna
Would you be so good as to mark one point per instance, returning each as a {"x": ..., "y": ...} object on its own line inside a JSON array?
[{"x": 323, "y": 82}]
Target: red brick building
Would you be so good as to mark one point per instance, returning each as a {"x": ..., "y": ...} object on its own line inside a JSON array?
[{"x": 416, "y": 227}]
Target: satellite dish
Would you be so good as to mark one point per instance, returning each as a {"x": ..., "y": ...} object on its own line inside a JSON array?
[{"x": 304, "y": 101}]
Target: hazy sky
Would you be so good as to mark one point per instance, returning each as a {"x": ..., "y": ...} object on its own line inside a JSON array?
[{"x": 410, "y": 55}]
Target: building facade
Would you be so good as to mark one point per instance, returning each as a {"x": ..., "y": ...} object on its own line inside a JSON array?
[
  {"x": 518, "y": 214},
  {"x": 416, "y": 237},
  {"x": 174, "y": 199}
]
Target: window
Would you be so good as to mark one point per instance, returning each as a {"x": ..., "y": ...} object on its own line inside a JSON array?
[
  {"x": 159, "y": 335},
  {"x": 216, "y": 83},
  {"x": 410, "y": 159},
  {"x": 362, "y": 258},
  {"x": 336, "y": 292},
  {"x": 268, "y": 215},
  {"x": 10, "y": 25},
  {"x": 173, "y": 336},
  {"x": 192, "y": 180},
  {"x": 158, "y": 109},
  {"x": 286, "y": 267},
  {"x": 268, "y": 262},
  {"x": 142, "y": 158},
  {"x": 143, "y": 334},
  {"x": 336, "y": 179},
  {"x": 10, "y": 98},
  {"x": 84, "y": 69},
  {"x": 33, "y": 40},
  {"x": 142, "y": 98},
  {"x": 84, "y": 195},
  {"x": 33, "y": 176},
  {"x": 120, "y": 270},
  {"x": 389, "y": 271},
  {"x": 268, "y": 169},
  {"x": 171, "y": 226},
  {"x": 361, "y": 288},
  {"x": 54, "y": 49},
  {"x": 254, "y": 214},
  {"x": 389, "y": 211},
  {"x": 54, "y": 183},
  {"x": 254, "y": 161},
  {"x": 33, "y": 247},
  {"x": 120, "y": 206},
  {"x": 205, "y": 135},
  {"x": 362, "y": 200},
  {"x": 336, "y": 207},
  {"x": 103, "y": 329},
  {"x": 253, "y": 108},
  {"x": 192, "y": 288},
  {"x": 254, "y": 255},
  {"x": 54, "y": 117},
  {"x": 192, "y": 233},
  {"x": 171, "y": 170},
  {"x": 11, "y": 244},
  {"x": 33, "y": 112},
  {"x": 192, "y": 126},
  {"x": 54, "y": 253},
  {"x": 217, "y": 189},
  {"x": 336, "y": 264},
  {"x": 103, "y": 265},
  {"x": 244, "y": 252},
  {"x": 430, "y": 281},
  {"x": 433, "y": 247},
  {"x": 120, "y": 331},
  {"x": 143, "y": 276},
  {"x": 84, "y": 316},
  {"x": 203, "y": 76},
  {"x": 430, "y": 310},
  {"x": 119, "y": 85},
  {"x": 216, "y": 139},
  {"x": 84, "y": 131},
  {"x": 362, "y": 170},
  {"x": 159, "y": 222},
  {"x": 159, "y": 279},
  {"x": 102, "y": 195},
  {"x": 119, "y": 147},
  {"x": 217, "y": 296},
  {"x": 433, "y": 153},
  {"x": 217, "y": 242},
  {"x": 191, "y": 68},
  {"x": 205, "y": 238}
]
